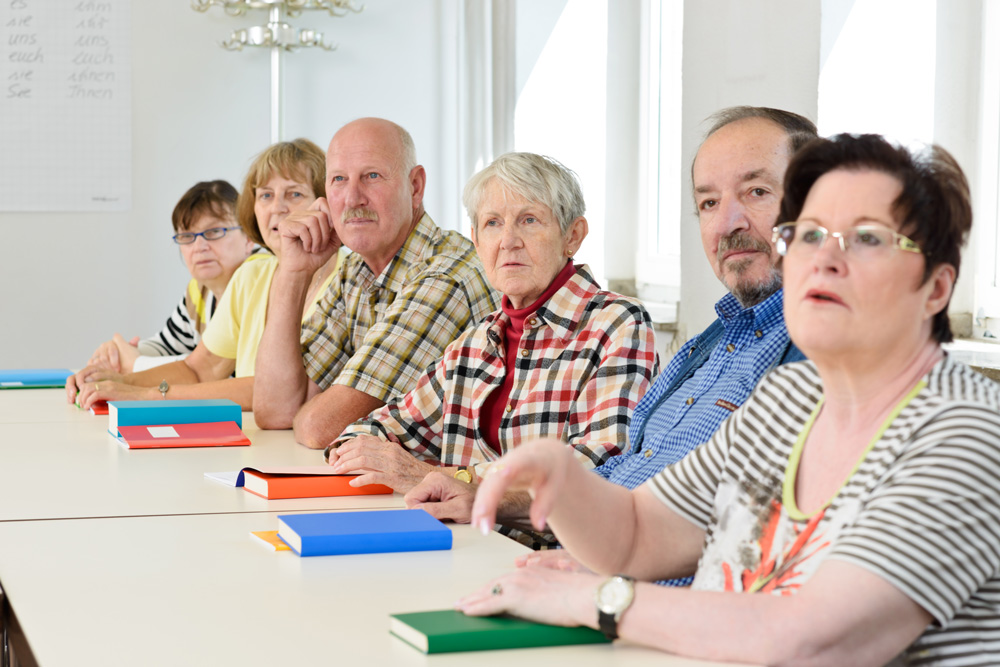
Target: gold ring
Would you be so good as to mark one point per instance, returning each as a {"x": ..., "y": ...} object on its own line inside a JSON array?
[
  {"x": 97, "y": 386},
  {"x": 496, "y": 590}
]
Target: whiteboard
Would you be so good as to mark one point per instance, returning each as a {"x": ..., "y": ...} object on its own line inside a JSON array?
[{"x": 65, "y": 105}]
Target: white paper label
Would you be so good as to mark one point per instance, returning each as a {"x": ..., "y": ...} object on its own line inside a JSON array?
[
  {"x": 11, "y": 384},
  {"x": 162, "y": 431}
]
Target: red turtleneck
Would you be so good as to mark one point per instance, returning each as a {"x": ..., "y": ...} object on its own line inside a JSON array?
[{"x": 493, "y": 407}]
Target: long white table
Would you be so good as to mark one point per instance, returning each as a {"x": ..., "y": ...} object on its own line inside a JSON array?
[
  {"x": 74, "y": 469},
  {"x": 198, "y": 590},
  {"x": 111, "y": 556}
]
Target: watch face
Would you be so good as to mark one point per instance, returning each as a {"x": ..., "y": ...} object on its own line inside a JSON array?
[{"x": 614, "y": 595}]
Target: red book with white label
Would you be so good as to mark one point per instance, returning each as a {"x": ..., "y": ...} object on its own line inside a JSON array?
[{"x": 211, "y": 434}]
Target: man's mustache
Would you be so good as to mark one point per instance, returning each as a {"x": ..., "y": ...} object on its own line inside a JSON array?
[
  {"x": 741, "y": 240},
  {"x": 365, "y": 213}
]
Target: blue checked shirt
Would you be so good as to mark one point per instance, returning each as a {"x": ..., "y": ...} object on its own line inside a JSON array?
[{"x": 702, "y": 385}]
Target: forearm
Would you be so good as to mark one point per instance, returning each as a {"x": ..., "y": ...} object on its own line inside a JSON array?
[
  {"x": 282, "y": 386},
  {"x": 238, "y": 390},
  {"x": 325, "y": 416},
  {"x": 177, "y": 372}
]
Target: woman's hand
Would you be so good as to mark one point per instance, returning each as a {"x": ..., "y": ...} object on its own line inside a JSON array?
[
  {"x": 75, "y": 383},
  {"x": 539, "y": 467},
  {"x": 538, "y": 594},
  {"x": 114, "y": 390},
  {"x": 116, "y": 355},
  {"x": 380, "y": 462}
]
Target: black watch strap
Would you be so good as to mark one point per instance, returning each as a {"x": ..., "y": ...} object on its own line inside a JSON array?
[{"x": 608, "y": 624}]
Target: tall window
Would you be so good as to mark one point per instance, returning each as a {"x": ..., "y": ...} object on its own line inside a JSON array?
[{"x": 561, "y": 74}]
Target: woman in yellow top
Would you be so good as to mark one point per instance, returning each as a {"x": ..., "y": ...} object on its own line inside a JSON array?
[{"x": 285, "y": 177}]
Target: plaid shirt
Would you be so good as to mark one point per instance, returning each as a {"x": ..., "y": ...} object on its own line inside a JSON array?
[
  {"x": 378, "y": 334},
  {"x": 586, "y": 358}
]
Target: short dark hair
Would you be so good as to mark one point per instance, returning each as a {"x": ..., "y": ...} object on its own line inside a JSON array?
[
  {"x": 933, "y": 207},
  {"x": 297, "y": 160},
  {"x": 215, "y": 197},
  {"x": 800, "y": 130}
]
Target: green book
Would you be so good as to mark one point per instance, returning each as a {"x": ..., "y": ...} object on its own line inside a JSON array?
[{"x": 449, "y": 630}]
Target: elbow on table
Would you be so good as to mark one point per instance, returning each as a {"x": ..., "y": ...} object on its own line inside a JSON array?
[
  {"x": 270, "y": 415},
  {"x": 310, "y": 430}
]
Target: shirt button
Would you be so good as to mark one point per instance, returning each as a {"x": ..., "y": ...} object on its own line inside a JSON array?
[
  {"x": 532, "y": 322},
  {"x": 758, "y": 333},
  {"x": 648, "y": 453},
  {"x": 690, "y": 400},
  {"x": 524, "y": 353},
  {"x": 509, "y": 408},
  {"x": 730, "y": 348}
]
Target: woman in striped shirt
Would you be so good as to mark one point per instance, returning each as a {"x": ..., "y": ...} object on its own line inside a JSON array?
[
  {"x": 857, "y": 494},
  {"x": 212, "y": 246}
]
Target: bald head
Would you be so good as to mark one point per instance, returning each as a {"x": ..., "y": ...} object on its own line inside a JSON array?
[{"x": 388, "y": 134}]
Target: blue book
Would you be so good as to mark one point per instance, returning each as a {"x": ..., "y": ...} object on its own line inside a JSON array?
[
  {"x": 34, "y": 378},
  {"x": 340, "y": 533},
  {"x": 168, "y": 413}
]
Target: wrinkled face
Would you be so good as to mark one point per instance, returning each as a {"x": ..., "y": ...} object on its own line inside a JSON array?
[
  {"x": 274, "y": 200},
  {"x": 372, "y": 196},
  {"x": 520, "y": 244},
  {"x": 218, "y": 259},
  {"x": 855, "y": 302},
  {"x": 738, "y": 177}
]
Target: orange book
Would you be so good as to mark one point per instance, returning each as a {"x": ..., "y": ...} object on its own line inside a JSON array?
[{"x": 275, "y": 486}]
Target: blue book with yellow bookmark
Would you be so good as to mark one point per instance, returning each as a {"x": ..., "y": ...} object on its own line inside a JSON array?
[{"x": 382, "y": 531}]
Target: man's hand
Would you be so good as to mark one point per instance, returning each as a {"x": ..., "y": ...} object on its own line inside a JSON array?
[
  {"x": 553, "y": 559},
  {"x": 308, "y": 239},
  {"x": 380, "y": 462},
  {"x": 443, "y": 497}
]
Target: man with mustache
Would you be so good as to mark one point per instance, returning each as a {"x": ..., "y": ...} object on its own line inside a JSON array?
[
  {"x": 406, "y": 291},
  {"x": 737, "y": 177}
]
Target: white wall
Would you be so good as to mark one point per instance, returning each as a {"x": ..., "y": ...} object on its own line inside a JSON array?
[
  {"x": 68, "y": 281},
  {"x": 756, "y": 52}
]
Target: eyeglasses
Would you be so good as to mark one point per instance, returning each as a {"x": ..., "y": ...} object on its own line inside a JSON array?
[
  {"x": 213, "y": 234},
  {"x": 863, "y": 241}
]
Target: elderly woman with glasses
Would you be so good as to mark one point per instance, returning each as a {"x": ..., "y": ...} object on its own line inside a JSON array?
[
  {"x": 212, "y": 247},
  {"x": 284, "y": 177},
  {"x": 849, "y": 512},
  {"x": 562, "y": 358}
]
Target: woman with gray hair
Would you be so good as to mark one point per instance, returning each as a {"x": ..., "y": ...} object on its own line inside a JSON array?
[{"x": 562, "y": 358}]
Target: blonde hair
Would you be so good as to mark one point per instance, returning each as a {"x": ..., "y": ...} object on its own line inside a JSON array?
[{"x": 298, "y": 160}]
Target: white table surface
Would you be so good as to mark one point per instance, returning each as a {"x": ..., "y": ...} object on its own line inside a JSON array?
[
  {"x": 37, "y": 405},
  {"x": 198, "y": 590},
  {"x": 73, "y": 468}
]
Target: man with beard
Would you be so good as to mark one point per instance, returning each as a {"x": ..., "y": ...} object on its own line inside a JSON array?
[{"x": 737, "y": 177}]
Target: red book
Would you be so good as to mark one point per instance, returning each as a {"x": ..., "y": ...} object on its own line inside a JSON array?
[
  {"x": 275, "y": 486},
  {"x": 99, "y": 408},
  {"x": 211, "y": 434}
]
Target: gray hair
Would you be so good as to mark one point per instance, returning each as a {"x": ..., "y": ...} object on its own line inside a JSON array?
[
  {"x": 409, "y": 156},
  {"x": 534, "y": 177},
  {"x": 800, "y": 130}
]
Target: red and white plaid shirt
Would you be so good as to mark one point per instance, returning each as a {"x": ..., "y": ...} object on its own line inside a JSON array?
[{"x": 586, "y": 358}]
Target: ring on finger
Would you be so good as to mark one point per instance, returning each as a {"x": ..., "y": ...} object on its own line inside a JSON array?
[{"x": 496, "y": 590}]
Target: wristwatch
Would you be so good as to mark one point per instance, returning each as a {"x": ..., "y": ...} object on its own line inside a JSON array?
[
  {"x": 613, "y": 597},
  {"x": 164, "y": 388},
  {"x": 463, "y": 474}
]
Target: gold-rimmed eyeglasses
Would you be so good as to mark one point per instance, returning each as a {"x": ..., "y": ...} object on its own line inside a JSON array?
[{"x": 864, "y": 241}]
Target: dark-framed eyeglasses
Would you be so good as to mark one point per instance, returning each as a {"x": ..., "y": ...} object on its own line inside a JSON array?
[
  {"x": 864, "y": 241},
  {"x": 213, "y": 234}
]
